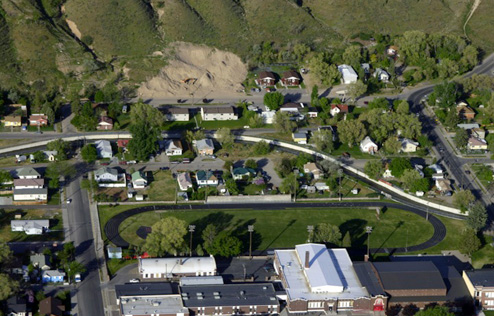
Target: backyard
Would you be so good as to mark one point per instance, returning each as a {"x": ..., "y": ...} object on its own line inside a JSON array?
[
  {"x": 162, "y": 186},
  {"x": 56, "y": 225}
]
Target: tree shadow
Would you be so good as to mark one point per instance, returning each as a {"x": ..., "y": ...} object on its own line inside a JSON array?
[
  {"x": 400, "y": 223},
  {"x": 220, "y": 219},
  {"x": 290, "y": 224},
  {"x": 356, "y": 227},
  {"x": 261, "y": 163}
]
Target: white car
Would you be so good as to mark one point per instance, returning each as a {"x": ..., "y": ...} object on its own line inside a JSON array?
[
  {"x": 134, "y": 281},
  {"x": 77, "y": 278},
  {"x": 69, "y": 201}
]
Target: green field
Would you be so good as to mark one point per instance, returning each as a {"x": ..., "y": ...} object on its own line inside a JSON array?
[
  {"x": 162, "y": 186},
  {"x": 286, "y": 228},
  {"x": 56, "y": 225}
]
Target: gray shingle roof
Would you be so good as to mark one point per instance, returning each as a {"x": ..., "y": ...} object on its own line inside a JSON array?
[
  {"x": 104, "y": 170},
  {"x": 482, "y": 277},
  {"x": 368, "y": 278},
  {"x": 144, "y": 288},
  {"x": 409, "y": 275},
  {"x": 27, "y": 171}
]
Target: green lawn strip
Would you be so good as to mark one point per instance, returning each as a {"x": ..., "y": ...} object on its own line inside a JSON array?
[
  {"x": 489, "y": 313},
  {"x": 353, "y": 151},
  {"x": 56, "y": 225},
  {"x": 286, "y": 228},
  {"x": 116, "y": 264}
]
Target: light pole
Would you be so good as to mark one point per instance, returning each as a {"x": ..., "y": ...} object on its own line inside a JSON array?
[
  {"x": 406, "y": 243},
  {"x": 310, "y": 229},
  {"x": 191, "y": 230},
  {"x": 250, "y": 228},
  {"x": 368, "y": 230}
]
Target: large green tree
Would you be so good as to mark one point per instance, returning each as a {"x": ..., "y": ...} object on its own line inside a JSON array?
[
  {"x": 225, "y": 137},
  {"x": 208, "y": 236},
  {"x": 374, "y": 169},
  {"x": 289, "y": 184},
  {"x": 89, "y": 153},
  {"x": 145, "y": 129},
  {"x": 351, "y": 132},
  {"x": 8, "y": 286},
  {"x": 327, "y": 233},
  {"x": 273, "y": 100},
  {"x": 477, "y": 216},
  {"x": 357, "y": 89},
  {"x": 469, "y": 242},
  {"x": 398, "y": 166},
  {"x": 461, "y": 138},
  {"x": 226, "y": 245},
  {"x": 62, "y": 147},
  {"x": 463, "y": 199},
  {"x": 282, "y": 122},
  {"x": 5, "y": 176},
  {"x": 166, "y": 237},
  {"x": 323, "y": 139}
]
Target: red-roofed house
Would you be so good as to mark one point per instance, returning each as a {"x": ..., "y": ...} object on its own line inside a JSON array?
[
  {"x": 122, "y": 143},
  {"x": 105, "y": 123},
  {"x": 290, "y": 78},
  {"x": 266, "y": 78},
  {"x": 338, "y": 108},
  {"x": 38, "y": 120}
]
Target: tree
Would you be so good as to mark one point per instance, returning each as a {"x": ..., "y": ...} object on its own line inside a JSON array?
[
  {"x": 469, "y": 242},
  {"x": 231, "y": 186},
  {"x": 282, "y": 123},
  {"x": 256, "y": 121},
  {"x": 208, "y": 236},
  {"x": 225, "y": 137},
  {"x": 412, "y": 181},
  {"x": 374, "y": 169},
  {"x": 226, "y": 245},
  {"x": 422, "y": 184},
  {"x": 261, "y": 148},
  {"x": 67, "y": 254},
  {"x": 143, "y": 142},
  {"x": 284, "y": 167},
  {"x": 5, "y": 176},
  {"x": 58, "y": 169},
  {"x": 352, "y": 56},
  {"x": 461, "y": 138},
  {"x": 73, "y": 268},
  {"x": 392, "y": 145},
  {"x": 166, "y": 237},
  {"x": 403, "y": 107},
  {"x": 99, "y": 96},
  {"x": 90, "y": 185},
  {"x": 351, "y": 132},
  {"x": 228, "y": 165},
  {"x": 424, "y": 141},
  {"x": 410, "y": 310},
  {"x": 477, "y": 216},
  {"x": 347, "y": 240},
  {"x": 462, "y": 199},
  {"x": 289, "y": 184},
  {"x": 327, "y": 233},
  {"x": 114, "y": 110},
  {"x": 379, "y": 103},
  {"x": 435, "y": 311},
  {"x": 273, "y": 100},
  {"x": 356, "y": 89},
  {"x": 251, "y": 163},
  {"x": 412, "y": 45},
  {"x": 451, "y": 119},
  {"x": 61, "y": 147},
  {"x": 322, "y": 71},
  {"x": 7, "y": 286},
  {"x": 39, "y": 156},
  {"x": 446, "y": 94},
  {"x": 323, "y": 139},
  {"x": 89, "y": 153},
  {"x": 146, "y": 113},
  {"x": 5, "y": 253},
  {"x": 398, "y": 166},
  {"x": 199, "y": 250}
]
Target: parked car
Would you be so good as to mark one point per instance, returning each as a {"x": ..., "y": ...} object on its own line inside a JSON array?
[
  {"x": 132, "y": 162},
  {"x": 346, "y": 155},
  {"x": 186, "y": 160},
  {"x": 77, "y": 278},
  {"x": 104, "y": 163},
  {"x": 69, "y": 201},
  {"x": 164, "y": 168},
  {"x": 134, "y": 281}
]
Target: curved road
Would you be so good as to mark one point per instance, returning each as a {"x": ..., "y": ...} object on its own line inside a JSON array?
[{"x": 113, "y": 224}]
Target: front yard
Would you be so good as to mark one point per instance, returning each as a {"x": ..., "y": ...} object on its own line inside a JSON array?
[{"x": 56, "y": 225}]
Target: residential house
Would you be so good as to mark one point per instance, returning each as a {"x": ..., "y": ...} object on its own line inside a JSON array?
[
  {"x": 106, "y": 174},
  {"x": 476, "y": 144},
  {"x": 300, "y": 138},
  {"x": 50, "y": 155},
  {"x": 51, "y": 306},
  {"x": 266, "y": 78},
  {"x": 381, "y": 75},
  {"x": 35, "y": 195},
  {"x": 105, "y": 123},
  {"x": 321, "y": 186},
  {"x": 12, "y": 121},
  {"x": 40, "y": 261},
  {"x": 268, "y": 116},
  {"x": 218, "y": 114},
  {"x": 104, "y": 149},
  {"x": 30, "y": 226},
  {"x": 205, "y": 147},
  {"x": 206, "y": 178},
  {"x": 173, "y": 147},
  {"x": 480, "y": 284},
  {"x": 29, "y": 183},
  {"x": 366, "y": 68},
  {"x": 478, "y": 133},
  {"x": 114, "y": 252},
  {"x": 138, "y": 181},
  {"x": 312, "y": 112},
  {"x": 184, "y": 181},
  {"x": 321, "y": 280},
  {"x": 242, "y": 173},
  {"x": 290, "y": 78},
  {"x": 27, "y": 173},
  {"x": 172, "y": 268},
  {"x": 468, "y": 126},
  {"x": 312, "y": 168},
  {"x": 443, "y": 185},
  {"x": 52, "y": 276},
  {"x": 338, "y": 108},
  {"x": 177, "y": 114},
  {"x": 392, "y": 51},
  {"x": 18, "y": 305},
  {"x": 465, "y": 112},
  {"x": 368, "y": 146},
  {"x": 348, "y": 74},
  {"x": 408, "y": 145},
  {"x": 292, "y": 108},
  {"x": 420, "y": 170},
  {"x": 387, "y": 172},
  {"x": 38, "y": 120},
  {"x": 123, "y": 143},
  {"x": 438, "y": 172}
]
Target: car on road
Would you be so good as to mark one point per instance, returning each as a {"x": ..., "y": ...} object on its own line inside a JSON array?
[
  {"x": 134, "y": 281},
  {"x": 69, "y": 201},
  {"x": 346, "y": 155},
  {"x": 104, "y": 163},
  {"x": 164, "y": 168},
  {"x": 77, "y": 278},
  {"x": 186, "y": 160},
  {"x": 467, "y": 171}
]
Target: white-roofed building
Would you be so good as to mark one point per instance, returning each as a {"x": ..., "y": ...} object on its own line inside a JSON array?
[
  {"x": 31, "y": 226},
  {"x": 104, "y": 149},
  {"x": 153, "y": 305},
  {"x": 348, "y": 75},
  {"x": 170, "y": 268},
  {"x": 368, "y": 146},
  {"x": 318, "y": 279}
]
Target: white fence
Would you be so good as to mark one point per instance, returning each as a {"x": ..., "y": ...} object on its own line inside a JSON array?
[{"x": 280, "y": 198}]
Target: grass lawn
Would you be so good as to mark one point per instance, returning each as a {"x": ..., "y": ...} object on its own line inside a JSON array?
[
  {"x": 162, "y": 186},
  {"x": 53, "y": 197},
  {"x": 489, "y": 313},
  {"x": 485, "y": 256},
  {"x": 116, "y": 264},
  {"x": 12, "y": 142},
  {"x": 56, "y": 225},
  {"x": 353, "y": 151},
  {"x": 286, "y": 228},
  {"x": 483, "y": 173}
]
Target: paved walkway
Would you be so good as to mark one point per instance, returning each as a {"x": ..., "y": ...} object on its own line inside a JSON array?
[{"x": 112, "y": 226}]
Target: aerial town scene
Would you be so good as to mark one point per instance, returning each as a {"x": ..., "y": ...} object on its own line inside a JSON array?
[{"x": 246, "y": 157}]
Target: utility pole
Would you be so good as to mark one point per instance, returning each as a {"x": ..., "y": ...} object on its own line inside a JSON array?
[
  {"x": 406, "y": 244},
  {"x": 368, "y": 230},
  {"x": 310, "y": 229},
  {"x": 250, "y": 228},
  {"x": 191, "y": 230}
]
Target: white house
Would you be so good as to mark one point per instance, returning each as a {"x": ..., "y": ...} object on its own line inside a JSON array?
[
  {"x": 292, "y": 107},
  {"x": 106, "y": 174},
  {"x": 218, "y": 114},
  {"x": 184, "y": 181},
  {"x": 268, "y": 116},
  {"x": 381, "y": 75},
  {"x": 312, "y": 168},
  {"x": 338, "y": 108},
  {"x": 177, "y": 114},
  {"x": 29, "y": 183},
  {"x": 38, "y": 194},
  {"x": 348, "y": 74},
  {"x": 169, "y": 268},
  {"x": 408, "y": 145},
  {"x": 368, "y": 146},
  {"x": 321, "y": 186},
  {"x": 173, "y": 147},
  {"x": 476, "y": 144},
  {"x": 27, "y": 173},
  {"x": 138, "y": 182},
  {"x": 51, "y": 155},
  {"x": 443, "y": 185},
  {"x": 30, "y": 227},
  {"x": 206, "y": 178},
  {"x": 104, "y": 149}
]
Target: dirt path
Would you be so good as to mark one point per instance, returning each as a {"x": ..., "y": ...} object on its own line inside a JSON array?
[
  {"x": 472, "y": 11},
  {"x": 73, "y": 28}
]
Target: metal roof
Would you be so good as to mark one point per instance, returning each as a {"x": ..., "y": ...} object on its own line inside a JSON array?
[
  {"x": 409, "y": 275},
  {"x": 27, "y": 171},
  {"x": 368, "y": 278},
  {"x": 144, "y": 288},
  {"x": 201, "y": 280},
  {"x": 482, "y": 277},
  {"x": 30, "y": 191}
]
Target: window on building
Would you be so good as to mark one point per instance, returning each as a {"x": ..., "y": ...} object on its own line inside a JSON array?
[
  {"x": 345, "y": 304},
  {"x": 489, "y": 294},
  {"x": 489, "y": 303},
  {"x": 315, "y": 304}
]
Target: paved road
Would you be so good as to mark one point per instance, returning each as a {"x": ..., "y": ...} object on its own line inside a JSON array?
[
  {"x": 112, "y": 226},
  {"x": 80, "y": 232}
]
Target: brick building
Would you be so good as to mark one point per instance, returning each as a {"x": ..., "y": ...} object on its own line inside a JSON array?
[{"x": 480, "y": 284}]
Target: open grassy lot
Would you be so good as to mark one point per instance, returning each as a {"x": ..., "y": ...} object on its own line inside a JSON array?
[
  {"x": 56, "y": 225},
  {"x": 286, "y": 228},
  {"x": 12, "y": 142},
  {"x": 116, "y": 264},
  {"x": 162, "y": 186}
]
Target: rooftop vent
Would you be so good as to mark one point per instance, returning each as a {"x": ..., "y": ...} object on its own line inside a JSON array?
[
  {"x": 124, "y": 301},
  {"x": 217, "y": 297},
  {"x": 242, "y": 292},
  {"x": 156, "y": 303},
  {"x": 185, "y": 298},
  {"x": 199, "y": 293},
  {"x": 264, "y": 287},
  {"x": 200, "y": 297},
  {"x": 185, "y": 294},
  {"x": 216, "y": 293},
  {"x": 272, "y": 298}
]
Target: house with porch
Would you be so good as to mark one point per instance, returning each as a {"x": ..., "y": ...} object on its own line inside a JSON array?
[
  {"x": 38, "y": 120},
  {"x": 290, "y": 78},
  {"x": 204, "y": 177},
  {"x": 266, "y": 78},
  {"x": 105, "y": 123}
]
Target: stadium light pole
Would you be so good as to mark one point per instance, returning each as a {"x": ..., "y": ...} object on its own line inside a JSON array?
[
  {"x": 310, "y": 229},
  {"x": 250, "y": 228},
  {"x": 191, "y": 231},
  {"x": 368, "y": 230}
]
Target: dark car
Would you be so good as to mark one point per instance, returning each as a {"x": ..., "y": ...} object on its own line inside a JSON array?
[{"x": 164, "y": 168}]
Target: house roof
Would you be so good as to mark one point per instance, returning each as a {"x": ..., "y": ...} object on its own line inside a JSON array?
[
  {"x": 114, "y": 249},
  {"x": 103, "y": 146},
  {"x": 36, "y": 191},
  {"x": 481, "y": 277},
  {"x": 184, "y": 179},
  {"x": 365, "y": 67},
  {"x": 51, "y": 306},
  {"x": 473, "y": 141},
  {"x": 204, "y": 144},
  {"x": 406, "y": 141},
  {"x": 38, "y": 117},
  {"x": 173, "y": 144},
  {"x": 201, "y": 280},
  {"x": 104, "y": 170},
  {"x": 218, "y": 110},
  {"x": 122, "y": 143},
  {"x": 203, "y": 175},
  {"x": 30, "y": 223},
  {"x": 27, "y": 171},
  {"x": 243, "y": 171},
  {"x": 468, "y": 126},
  {"x": 312, "y": 110},
  {"x": 29, "y": 182},
  {"x": 409, "y": 275},
  {"x": 137, "y": 176},
  {"x": 144, "y": 289},
  {"x": 252, "y": 294},
  {"x": 11, "y": 118},
  {"x": 291, "y": 74},
  {"x": 299, "y": 135},
  {"x": 17, "y": 304},
  {"x": 177, "y": 266},
  {"x": 311, "y": 166},
  {"x": 367, "y": 141},
  {"x": 291, "y": 105},
  {"x": 343, "y": 107},
  {"x": 266, "y": 74},
  {"x": 443, "y": 184},
  {"x": 40, "y": 259},
  {"x": 176, "y": 110},
  {"x": 347, "y": 71},
  {"x": 380, "y": 71},
  {"x": 53, "y": 273},
  {"x": 105, "y": 120},
  {"x": 367, "y": 276}
]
